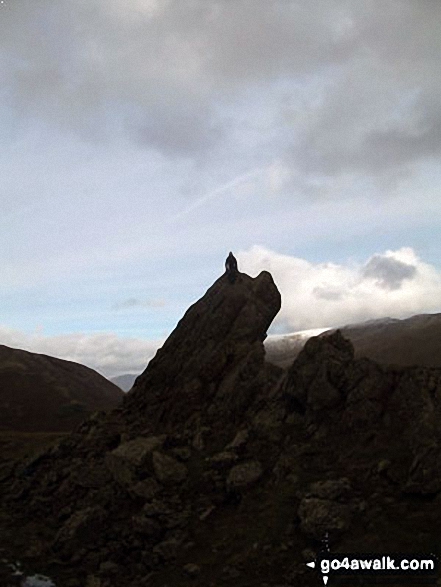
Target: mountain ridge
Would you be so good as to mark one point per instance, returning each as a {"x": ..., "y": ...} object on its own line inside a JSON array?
[{"x": 390, "y": 341}]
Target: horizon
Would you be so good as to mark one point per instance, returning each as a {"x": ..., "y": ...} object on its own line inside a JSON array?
[{"x": 142, "y": 141}]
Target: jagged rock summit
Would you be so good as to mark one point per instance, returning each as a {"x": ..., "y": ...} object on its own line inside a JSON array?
[
  {"x": 220, "y": 469},
  {"x": 204, "y": 359}
]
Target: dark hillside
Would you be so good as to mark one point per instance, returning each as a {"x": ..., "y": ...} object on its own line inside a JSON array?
[
  {"x": 390, "y": 342},
  {"x": 412, "y": 341},
  {"x": 42, "y": 393}
]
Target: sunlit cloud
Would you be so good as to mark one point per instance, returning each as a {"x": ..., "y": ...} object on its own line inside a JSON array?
[{"x": 315, "y": 295}]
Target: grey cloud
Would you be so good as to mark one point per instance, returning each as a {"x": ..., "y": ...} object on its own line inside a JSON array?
[
  {"x": 329, "y": 293},
  {"x": 377, "y": 115},
  {"x": 388, "y": 272},
  {"x": 157, "y": 70},
  {"x": 362, "y": 79},
  {"x": 131, "y": 303}
]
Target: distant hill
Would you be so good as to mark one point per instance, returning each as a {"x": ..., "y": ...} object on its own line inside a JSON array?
[
  {"x": 124, "y": 382},
  {"x": 389, "y": 341},
  {"x": 408, "y": 342},
  {"x": 42, "y": 393}
]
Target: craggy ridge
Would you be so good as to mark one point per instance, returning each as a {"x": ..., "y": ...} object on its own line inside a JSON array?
[{"x": 222, "y": 469}]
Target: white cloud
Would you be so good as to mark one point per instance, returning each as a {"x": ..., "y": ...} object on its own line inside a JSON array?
[
  {"x": 107, "y": 353},
  {"x": 394, "y": 283}
]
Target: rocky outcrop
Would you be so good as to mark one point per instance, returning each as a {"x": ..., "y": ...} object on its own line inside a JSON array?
[
  {"x": 213, "y": 361},
  {"x": 218, "y": 468}
]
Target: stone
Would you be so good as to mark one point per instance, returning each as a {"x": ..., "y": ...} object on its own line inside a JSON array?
[
  {"x": 167, "y": 469},
  {"x": 332, "y": 489},
  {"x": 425, "y": 472},
  {"x": 147, "y": 488},
  {"x": 239, "y": 441},
  {"x": 268, "y": 420},
  {"x": 132, "y": 457},
  {"x": 129, "y": 487},
  {"x": 83, "y": 524},
  {"x": 321, "y": 393},
  {"x": 244, "y": 475},
  {"x": 183, "y": 453},
  {"x": 147, "y": 527},
  {"x": 223, "y": 459},
  {"x": 109, "y": 568},
  {"x": 192, "y": 570},
  {"x": 321, "y": 516},
  {"x": 167, "y": 549}
]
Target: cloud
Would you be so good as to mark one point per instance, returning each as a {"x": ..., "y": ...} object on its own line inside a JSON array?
[
  {"x": 388, "y": 272},
  {"x": 327, "y": 89},
  {"x": 107, "y": 353},
  {"x": 132, "y": 303},
  {"x": 314, "y": 295}
]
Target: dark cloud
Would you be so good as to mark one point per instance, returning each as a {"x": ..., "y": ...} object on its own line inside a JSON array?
[{"x": 388, "y": 272}]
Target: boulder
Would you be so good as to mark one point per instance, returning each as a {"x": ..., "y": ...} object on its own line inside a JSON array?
[
  {"x": 244, "y": 475},
  {"x": 83, "y": 525},
  {"x": 131, "y": 458},
  {"x": 334, "y": 489},
  {"x": 167, "y": 469},
  {"x": 319, "y": 517}
]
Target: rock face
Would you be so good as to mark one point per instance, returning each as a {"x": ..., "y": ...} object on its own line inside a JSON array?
[
  {"x": 220, "y": 469},
  {"x": 211, "y": 361},
  {"x": 45, "y": 394}
]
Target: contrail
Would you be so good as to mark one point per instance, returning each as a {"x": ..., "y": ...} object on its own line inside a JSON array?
[{"x": 213, "y": 194}]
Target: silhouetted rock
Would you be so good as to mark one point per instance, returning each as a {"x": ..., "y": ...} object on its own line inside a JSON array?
[{"x": 213, "y": 358}]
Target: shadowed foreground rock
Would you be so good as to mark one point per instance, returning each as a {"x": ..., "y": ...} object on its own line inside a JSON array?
[{"x": 220, "y": 469}]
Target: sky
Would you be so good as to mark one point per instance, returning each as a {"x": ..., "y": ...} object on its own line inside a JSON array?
[{"x": 142, "y": 140}]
